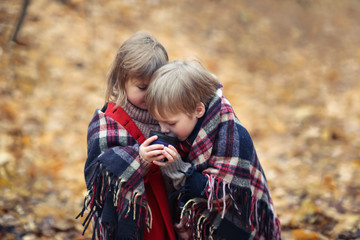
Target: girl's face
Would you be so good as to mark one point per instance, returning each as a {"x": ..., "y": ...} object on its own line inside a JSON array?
[{"x": 135, "y": 89}]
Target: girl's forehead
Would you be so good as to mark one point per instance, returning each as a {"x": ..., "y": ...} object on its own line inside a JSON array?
[{"x": 137, "y": 80}]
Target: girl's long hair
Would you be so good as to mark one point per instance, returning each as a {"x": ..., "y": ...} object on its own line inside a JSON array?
[{"x": 138, "y": 57}]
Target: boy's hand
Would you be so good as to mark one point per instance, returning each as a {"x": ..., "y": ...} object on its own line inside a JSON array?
[
  {"x": 151, "y": 153},
  {"x": 211, "y": 171},
  {"x": 169, "y": 153}
]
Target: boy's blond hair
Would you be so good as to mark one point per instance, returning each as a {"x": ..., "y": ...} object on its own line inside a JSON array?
[
  {"x": 178, "y": 87},
  {"x": 138, "y": 57}
]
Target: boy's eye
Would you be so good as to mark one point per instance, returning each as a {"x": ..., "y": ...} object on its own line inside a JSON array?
[
  {"x": 142, "y": 88},
  {"x": 172, "y": 124}
]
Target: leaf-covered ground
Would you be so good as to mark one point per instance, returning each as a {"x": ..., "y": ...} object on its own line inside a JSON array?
[{"x": 289, "y": 68}]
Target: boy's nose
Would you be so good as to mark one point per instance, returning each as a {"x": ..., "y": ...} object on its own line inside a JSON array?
[{"x": 164, "y": 129}]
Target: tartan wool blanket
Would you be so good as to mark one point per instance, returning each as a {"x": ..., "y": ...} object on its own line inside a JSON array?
[
  {"x": 239, "y": 192},
  {"x": 113, "y": 177}
]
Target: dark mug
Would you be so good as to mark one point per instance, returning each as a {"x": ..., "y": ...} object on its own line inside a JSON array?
[{"x": 163, "y": 139}]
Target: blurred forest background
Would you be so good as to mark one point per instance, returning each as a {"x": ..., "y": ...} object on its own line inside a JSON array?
[{"x": 290, "y": 68}]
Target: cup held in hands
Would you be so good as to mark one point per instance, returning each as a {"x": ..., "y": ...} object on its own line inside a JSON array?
[{"x": 163, "y": 139}]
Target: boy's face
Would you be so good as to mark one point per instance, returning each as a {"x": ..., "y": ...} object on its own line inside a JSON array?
[
  {"x": 181, "y": 124},
  {"x": 135, "y": 91}
]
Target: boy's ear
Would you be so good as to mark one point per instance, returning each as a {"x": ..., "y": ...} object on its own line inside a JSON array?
[{"x": 200, "y": 110}]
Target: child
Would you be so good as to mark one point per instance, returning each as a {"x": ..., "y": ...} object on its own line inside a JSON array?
[
  {"x": 121, "y": 184},
  {"x": 225, "y": 194}
]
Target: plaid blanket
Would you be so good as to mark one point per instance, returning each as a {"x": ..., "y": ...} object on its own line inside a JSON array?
[
  {"x": 113, "y": 176},
  {"x": 239, "y": 193}
]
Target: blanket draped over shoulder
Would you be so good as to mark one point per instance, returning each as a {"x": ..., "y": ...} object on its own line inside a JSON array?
[
  {"x": 239, "y": 193},
  {"x": 113, "y": 175}
]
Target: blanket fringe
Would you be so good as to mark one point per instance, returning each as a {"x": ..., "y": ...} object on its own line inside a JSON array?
[
  {"x": 255, "y": 215},
  {"x": 124, "y": 200}
]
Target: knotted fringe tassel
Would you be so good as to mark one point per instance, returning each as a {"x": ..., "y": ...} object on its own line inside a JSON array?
[
  {"x": 213, "y": 194},
  {"x": 195, "y": 215},
  {"x": 255, "y": 215},
  {"x": 124, "y": 199}
]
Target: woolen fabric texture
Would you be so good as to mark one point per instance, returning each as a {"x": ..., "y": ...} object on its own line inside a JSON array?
[
  {"x": 117, "y": 201},
  {"x": 238, "y": 194}
]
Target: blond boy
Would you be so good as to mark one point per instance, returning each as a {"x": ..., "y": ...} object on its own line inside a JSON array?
[{"x": 225, "y": 192}]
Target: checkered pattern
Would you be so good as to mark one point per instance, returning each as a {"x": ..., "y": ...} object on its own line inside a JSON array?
[
  {"x": 239, "y": 192},
  {"x": 110, "y": 146}
]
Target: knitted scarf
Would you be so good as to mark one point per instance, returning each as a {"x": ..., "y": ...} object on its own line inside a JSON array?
[
  {"x": 239, "y": 192},
  {"x": 113, "y": 176}
]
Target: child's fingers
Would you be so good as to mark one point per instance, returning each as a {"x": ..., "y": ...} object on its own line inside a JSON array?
[
  {"x": 148, "y": 141},
  {"x": 174, "y": 152},
  {"x": 159, "y": 163},
  {"x": 169, "y": 154},
  {"x": 155, "y": 153},
  {"x": 170, "y": 151},
  {"x": 172, "y": 148},
  {"x": 157, "y": 158},
  {"x": 155, "y": 147}
]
